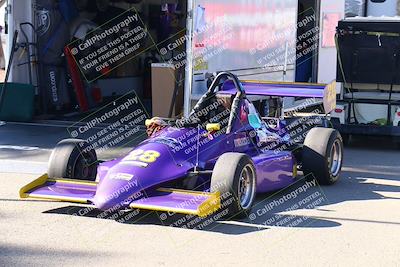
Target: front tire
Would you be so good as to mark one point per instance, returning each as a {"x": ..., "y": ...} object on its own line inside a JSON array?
[
  {"x": 322, "y": 155},
  {"x": 73, "y": 159},
  {"x": 234, "y": 176}
]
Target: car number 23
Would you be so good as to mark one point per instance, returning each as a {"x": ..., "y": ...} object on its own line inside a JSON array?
[{"x": 142, "y": 157}]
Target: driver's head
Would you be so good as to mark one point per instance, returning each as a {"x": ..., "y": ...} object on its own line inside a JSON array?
[{"x": 224, "y": 100}]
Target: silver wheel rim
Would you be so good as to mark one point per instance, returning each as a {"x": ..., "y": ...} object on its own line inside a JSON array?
[
  {"x": 246, "y": 187},
  {"x": 335, "y": 159}
]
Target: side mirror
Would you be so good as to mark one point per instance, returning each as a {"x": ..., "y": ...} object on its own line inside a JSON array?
[{"x": 213, "y": 127}]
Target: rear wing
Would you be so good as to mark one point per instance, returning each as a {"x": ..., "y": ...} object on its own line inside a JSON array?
[{"x": 326, "y": 92}]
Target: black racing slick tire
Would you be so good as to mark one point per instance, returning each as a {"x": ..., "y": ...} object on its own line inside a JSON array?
[
  {"x": 346, "y": 139},
  {"x": 234, "y": 176},
  {"x": 322, "y": 155},
  {"x": 73, "y": 159}
]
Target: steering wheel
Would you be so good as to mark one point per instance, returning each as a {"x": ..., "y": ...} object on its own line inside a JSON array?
[{"x": 212, "y": 90}]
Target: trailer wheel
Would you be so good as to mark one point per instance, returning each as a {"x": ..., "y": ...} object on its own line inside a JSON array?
[
  {"x": 323, "y": 155},
  {"x": 73, "y": 159},
  {"x": 234, "y": 176}
]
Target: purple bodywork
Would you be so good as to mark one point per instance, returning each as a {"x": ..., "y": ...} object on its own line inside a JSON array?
[
  {"x": 172, "y": 157},
  {"x": 274, "y": 170}
]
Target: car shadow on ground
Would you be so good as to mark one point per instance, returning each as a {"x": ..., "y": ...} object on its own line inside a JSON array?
[
  {"x": 232, "y": 226},
  {"x": 262, "y": 217},
  {"x": 270, "y": 210}
]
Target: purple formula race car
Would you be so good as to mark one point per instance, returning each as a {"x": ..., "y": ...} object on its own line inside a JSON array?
[{"x": 239, "y": 140}]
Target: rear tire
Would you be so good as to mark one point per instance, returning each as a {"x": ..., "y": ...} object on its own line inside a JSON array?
[
  {"x": 346, "y": 139},
  {"x": 323, "y": 155},
  {"x": 234, "y": 176},
  {"x": 73, "y": 159}
]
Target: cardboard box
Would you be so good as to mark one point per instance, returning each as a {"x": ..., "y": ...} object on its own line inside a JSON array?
[{"x": 165, "y": 80}]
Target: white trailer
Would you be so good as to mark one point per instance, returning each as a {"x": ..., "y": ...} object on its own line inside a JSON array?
[{"x": 251, "y": 38}]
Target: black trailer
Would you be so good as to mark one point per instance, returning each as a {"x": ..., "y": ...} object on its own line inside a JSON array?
[{"x": 369, "y": 68}]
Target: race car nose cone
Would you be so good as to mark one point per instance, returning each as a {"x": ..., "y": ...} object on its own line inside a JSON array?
[
  {"x": 102, "y": 203},
  {"x": 115, "y": 193}
]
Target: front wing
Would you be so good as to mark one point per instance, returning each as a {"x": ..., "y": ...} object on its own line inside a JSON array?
[
  {"x": 161, "y": 199},
  {"x": 59, "y": 189}
]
